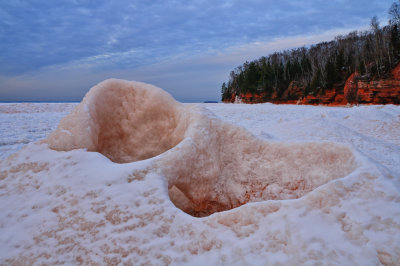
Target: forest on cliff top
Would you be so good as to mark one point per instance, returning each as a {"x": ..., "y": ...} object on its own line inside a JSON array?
[{"x": 372, "y": 54}]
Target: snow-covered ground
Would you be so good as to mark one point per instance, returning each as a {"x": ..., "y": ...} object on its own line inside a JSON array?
[
  {"x": 80, "y": 207},
  {"x": 22, "y": 123}
]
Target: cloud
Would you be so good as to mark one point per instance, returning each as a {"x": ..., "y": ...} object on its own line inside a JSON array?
[
  {"x": 189, "y": 78},
  {"x": 40, "y": 33}
]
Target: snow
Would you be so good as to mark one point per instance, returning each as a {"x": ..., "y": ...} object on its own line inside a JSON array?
[
  {"x": 321, "y": 183},
  {"x": 22, "y": 123}
]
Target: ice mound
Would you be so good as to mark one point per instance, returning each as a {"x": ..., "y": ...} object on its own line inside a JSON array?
[
  {"x": 215, "y": 167},
  {"x": 221, "y": 166},
  {"x": 124, "y": 120}
]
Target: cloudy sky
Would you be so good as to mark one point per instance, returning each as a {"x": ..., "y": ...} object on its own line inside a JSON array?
[{"x": 57, "y": 50}]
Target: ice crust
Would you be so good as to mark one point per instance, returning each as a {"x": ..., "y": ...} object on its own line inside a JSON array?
[{"x": 92, "y": 199}]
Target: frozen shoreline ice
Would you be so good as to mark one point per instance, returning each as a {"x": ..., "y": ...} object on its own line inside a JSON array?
[{"x": 84, "y": 208}]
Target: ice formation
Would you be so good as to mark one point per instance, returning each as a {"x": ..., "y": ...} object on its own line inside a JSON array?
[
  {"x": 125, "y": 121},
  {"x": 220, "y": 166},
  {"x": 130, "y": 170},
  {"x": 216, "y": 166}
]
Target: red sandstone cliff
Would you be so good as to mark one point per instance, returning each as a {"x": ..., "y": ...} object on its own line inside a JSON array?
[
  {"x": 365, "y": 91},
  {"x": 357, "y": 89}
]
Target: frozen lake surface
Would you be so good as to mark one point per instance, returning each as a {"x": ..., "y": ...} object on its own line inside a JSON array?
[
  {"x": 79, "y": 207},
  {"x": 22, "y": 123}
]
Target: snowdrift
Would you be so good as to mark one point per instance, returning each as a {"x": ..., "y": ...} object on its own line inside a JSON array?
[{"x": 133, "y": 177}]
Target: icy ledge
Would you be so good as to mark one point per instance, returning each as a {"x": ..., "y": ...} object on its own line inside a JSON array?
[{"x": 312, "y": 202}]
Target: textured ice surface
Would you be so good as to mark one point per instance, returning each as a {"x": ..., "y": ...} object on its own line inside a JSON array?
[
  {"x": 22, "y": 123},
  {"x": 332, "y": 205}
]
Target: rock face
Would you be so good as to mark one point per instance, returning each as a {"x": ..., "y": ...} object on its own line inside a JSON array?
[
  {"x": 332, "y": 97},
  {"x": 252, "y": 98},
  {"x": 357, "y": 89},
  {"x": 365, "y": 91}
]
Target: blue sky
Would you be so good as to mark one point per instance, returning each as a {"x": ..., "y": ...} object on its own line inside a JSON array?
[{"x": 57, "y": 50}]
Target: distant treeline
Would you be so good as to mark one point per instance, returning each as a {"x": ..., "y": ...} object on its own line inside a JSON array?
[{"x": 371, "y": 53}]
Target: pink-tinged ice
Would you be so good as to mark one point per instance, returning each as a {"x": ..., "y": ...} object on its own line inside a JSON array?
[
  {"x": 124, "y": 120},
  {"x": 216, "y": 167}
]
